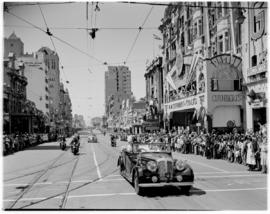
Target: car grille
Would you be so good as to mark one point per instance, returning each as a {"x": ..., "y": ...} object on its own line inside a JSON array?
[{"x": 165, "y": 170}]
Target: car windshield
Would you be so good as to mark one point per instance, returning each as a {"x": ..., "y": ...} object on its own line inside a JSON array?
[{"x": 152, "y": 147}]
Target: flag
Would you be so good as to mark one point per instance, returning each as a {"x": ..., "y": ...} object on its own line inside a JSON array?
[{"x": 156, "y": 37}]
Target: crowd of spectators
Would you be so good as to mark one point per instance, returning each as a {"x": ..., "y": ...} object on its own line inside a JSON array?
[{"x": 249, "y": 148}]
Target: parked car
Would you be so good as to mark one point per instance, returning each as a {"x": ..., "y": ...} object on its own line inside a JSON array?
[
  {"x": 92, "y": 138},
  {"x": 152, "y": 165}
]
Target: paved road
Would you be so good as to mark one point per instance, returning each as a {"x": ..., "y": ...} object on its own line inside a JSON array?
[{"x": 44, "y": 177}]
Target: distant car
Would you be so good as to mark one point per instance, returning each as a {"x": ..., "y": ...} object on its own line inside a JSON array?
[
  {"x": 45, "y": 137},
  {"x": 152, "y": 165},
  {"x": 92, "y": 138}
]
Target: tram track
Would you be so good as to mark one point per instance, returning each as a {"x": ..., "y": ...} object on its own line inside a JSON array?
[
  {"x": 35, "y": 180},
  {"x": 109, "y": 156}
]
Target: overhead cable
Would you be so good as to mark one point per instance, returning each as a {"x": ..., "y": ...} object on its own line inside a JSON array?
[
  {"x": 59, "y": 39},
  {"x": 192, "y": 5},
  {"x": 137, "y": 36},
  {"x": 48, "y": 31}
]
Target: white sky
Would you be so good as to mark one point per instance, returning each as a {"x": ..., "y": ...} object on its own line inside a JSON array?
[{"x": 109, "y": 45}]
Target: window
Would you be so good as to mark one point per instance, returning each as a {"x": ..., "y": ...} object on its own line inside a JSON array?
[
  {"x": 257, "y": 23},
  {"x": 226, "y": 11},
  {"x": 227, "y": 42},
  {"x": 11, "y": 45},
  {"x": 200, "y": 27},
  {"x": 195, "y": 30},
  {"x": 219, "y": 10},
  {"x": 220, "y": 44},
  {"x": 214, "y": 84},
  {"x": 254, "y": 60}
]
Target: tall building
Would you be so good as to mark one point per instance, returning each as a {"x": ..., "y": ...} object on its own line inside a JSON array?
[
  {"x": 51, "y": 60},
  {"x": 254, "y": 37},
  {"x": 117, "y": 88},
  {"x": 13, "y": 44},
  {"x": 202, "y": 66},
  {"x": 37, "y": 87}
]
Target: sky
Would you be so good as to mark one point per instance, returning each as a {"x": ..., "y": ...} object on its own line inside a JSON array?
[{"x": 85, "y": 74}]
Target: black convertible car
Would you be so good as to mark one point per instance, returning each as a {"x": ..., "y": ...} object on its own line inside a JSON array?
[{"x": 152, "y": 165}]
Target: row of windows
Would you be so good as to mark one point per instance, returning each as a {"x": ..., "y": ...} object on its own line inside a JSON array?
[{"x": 51, "y": 64}]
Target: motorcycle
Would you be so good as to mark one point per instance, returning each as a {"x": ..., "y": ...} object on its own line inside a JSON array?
[
  {"x": 75, "y": 148},
  {"x": 63, "y": 145}
]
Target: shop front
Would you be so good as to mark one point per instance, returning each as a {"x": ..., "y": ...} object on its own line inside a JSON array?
[{"x": 185, "y": 113}]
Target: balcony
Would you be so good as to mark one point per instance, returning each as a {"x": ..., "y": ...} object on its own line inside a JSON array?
[{"x": 261, "y": 68}]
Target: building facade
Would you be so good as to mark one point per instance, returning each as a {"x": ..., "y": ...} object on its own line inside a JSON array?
[
  {"x": 13, "y": 44},
  {"x": 37, "y": 87},
  {"x": 254, "y": 54},
  {"x": 51, "y": 60},
  {"x": 154, "y": 91},
  {"x": 117, "y": 89},
  {"x": 202, "y": 66},
  {"x": 17, "y": 115}
]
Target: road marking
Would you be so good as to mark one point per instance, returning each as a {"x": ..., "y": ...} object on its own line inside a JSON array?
[
  {"x": 108, "y": 180},
  {"x": 203, "y": 164},
  {"x": 228, "y": 190},
  {"x": 202, "y": 173},
  {"x": 96, "y": 163},
  {"x": 101, "y": 195},
  {"x": 115, "y": 175},
  {"x": 229, "y": 176},
  {"x": 133, "y": 193}
]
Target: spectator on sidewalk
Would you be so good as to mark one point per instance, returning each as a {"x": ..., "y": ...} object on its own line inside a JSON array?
[
  {"x": 251, "y": 162},
  {"x": 263, "y": 150}
]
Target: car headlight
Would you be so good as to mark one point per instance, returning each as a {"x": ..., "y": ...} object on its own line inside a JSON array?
[
  {"x": 179, "y": 165},
  {"x": 151, "y": 166}
]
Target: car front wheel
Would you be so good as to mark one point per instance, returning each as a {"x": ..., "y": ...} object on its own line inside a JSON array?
[{"x": 138, "y": 189}]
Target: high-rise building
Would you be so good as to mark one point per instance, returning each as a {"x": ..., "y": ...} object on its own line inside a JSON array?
[
  {"x": 117, "y": 88},
  {"x": 37, "y": 87},
  {"x": 51, "y": 60}
]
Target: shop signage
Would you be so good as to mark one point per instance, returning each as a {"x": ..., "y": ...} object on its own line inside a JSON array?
[
  {"x": 257, "y": 104},
  {"x": 256, "y": 70},
  {"x": 227, "y": 98},
  {"x": 184, "y": 103},
  {"x": 33, "y": 63}
]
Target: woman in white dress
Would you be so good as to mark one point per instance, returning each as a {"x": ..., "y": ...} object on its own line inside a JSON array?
[{"x": 251, "y": 162}]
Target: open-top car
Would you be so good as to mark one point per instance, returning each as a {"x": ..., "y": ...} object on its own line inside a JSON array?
[
  {"x": 92, "y": 138},
  {"x": 152, "y": 165}
]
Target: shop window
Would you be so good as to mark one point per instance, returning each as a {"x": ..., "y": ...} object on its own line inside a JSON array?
[{"x": 254, "y": 60}]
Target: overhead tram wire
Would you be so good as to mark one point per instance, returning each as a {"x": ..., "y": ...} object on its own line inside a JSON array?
[
  {"x": 87, "y": 28},
  {"x": 197, "y": 6},
  {"x": 59, "y": 39},
  {"x": 52, "y": 41},
  {"x": 137, "y": 36}
]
